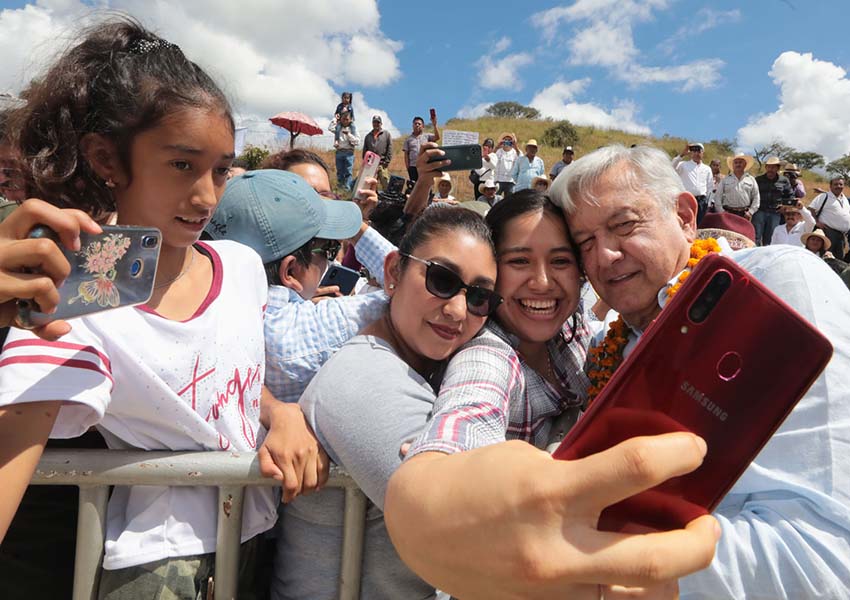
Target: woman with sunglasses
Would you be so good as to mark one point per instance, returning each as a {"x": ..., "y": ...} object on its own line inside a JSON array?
[
  {"x": 523, "y": 377},
  {"x": 375, "y": 394}
]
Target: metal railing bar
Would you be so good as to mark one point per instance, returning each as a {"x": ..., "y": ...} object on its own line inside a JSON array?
[
  {"x": 353, "y": 532},
  {"x": 140, "y": 467},
  {"x": 228, "y": 541},
  {"x": 91, "y": 531}
]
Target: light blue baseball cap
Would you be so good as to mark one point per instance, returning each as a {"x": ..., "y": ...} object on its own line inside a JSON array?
[{"x": 276, "y": 212}]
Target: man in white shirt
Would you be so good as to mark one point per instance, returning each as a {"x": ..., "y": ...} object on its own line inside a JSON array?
[
  {"x": 738, "y": 192},
  {"x": 798, "y": 220},
  {"x": 527, "y": 167},
  {"x": 696, "y": 176},
  {"x": 832, "y": 213}
]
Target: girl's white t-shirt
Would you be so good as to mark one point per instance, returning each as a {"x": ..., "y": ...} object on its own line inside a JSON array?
[{"x": 151, "y": 383}]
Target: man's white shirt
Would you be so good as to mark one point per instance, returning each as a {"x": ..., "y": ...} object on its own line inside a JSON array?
[{"x": 697, "y": 178}]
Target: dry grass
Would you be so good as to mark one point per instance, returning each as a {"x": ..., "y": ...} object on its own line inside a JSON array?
[{"x": 590, "y": 138}]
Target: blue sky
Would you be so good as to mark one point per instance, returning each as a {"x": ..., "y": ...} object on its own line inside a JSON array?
[{"x": 755, "y": 71}]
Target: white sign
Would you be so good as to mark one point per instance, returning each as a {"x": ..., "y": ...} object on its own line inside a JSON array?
[{"x": 450, "y": 137}]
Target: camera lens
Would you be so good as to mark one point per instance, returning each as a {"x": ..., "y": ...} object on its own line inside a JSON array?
[
  {"x": 136, "y": 268},
  {"x": 707, "y": 300},
  {"x": 150, "y": 241}
]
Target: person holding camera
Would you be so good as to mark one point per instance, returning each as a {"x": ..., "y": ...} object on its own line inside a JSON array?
[
  {"x": 773, "y": 189},
  {"x": 792, "y": 172},
  {"x": 414, "y": 142},
  {"x": 798, "y": 221},
  {"x": 506, "y": 156}
]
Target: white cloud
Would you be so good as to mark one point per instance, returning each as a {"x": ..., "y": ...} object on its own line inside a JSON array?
[
  {"x": 474, "y": 111},
  {"x": 696, "y": 75},
  {"x": 705, "y": 20},
  {"x": 602, "y": 35},
  {"x": 300, "y": 61},
  {"x": 501, "y": 45},
  {"x": 603, "y": 45},
  {"x": 812, "y": 113},
  {"x": 502, "y": 73},
  {"x": 558, "y": 102}
]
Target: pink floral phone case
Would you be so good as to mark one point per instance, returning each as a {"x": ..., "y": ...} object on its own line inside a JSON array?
[{"x": 112, "y": 269}]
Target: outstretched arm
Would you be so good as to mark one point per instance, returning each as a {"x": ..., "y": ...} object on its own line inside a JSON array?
[{"x": 507, "y": 520}]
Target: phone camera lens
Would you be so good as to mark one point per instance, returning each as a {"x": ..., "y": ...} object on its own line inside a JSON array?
[
  {"x": 150, "y": 241},
  {"x": 136, "y": 268}
]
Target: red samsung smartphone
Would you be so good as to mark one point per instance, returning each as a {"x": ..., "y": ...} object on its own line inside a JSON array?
[{"x": 726, "y": 360}]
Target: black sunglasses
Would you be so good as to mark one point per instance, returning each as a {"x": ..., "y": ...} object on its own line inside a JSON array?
[
  {"x": 444, "y": 283},
  {"x": 330, "y": 248}
]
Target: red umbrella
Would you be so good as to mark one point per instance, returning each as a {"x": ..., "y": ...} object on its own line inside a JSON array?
[{"x": 296, "y": 123}]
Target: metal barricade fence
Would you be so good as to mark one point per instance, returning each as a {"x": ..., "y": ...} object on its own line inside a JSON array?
[{"x": 93, "y": 471}]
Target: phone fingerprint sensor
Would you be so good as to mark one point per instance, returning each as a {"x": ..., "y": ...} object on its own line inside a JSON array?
[{"x": 729, "y": 366}]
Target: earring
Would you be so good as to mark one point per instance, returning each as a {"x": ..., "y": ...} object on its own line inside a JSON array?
[
  {"x": 109, "y": 183},
  {"x": 392, "y": 286}
]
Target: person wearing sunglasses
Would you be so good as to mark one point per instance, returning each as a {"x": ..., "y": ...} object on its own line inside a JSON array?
[{"x": 376, "y": 393}]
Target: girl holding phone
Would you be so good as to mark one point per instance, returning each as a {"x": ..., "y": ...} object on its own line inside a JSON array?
[{"x": 124, "y": 122}]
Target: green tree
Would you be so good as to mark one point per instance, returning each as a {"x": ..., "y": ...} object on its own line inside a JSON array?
[
  {"x": 560, "y": 135},
  {"x": 512, "y": 110},
  {"x": 253, "y": 156},
  {"x": 806, "y": 160},
  {"x": 840, "y": 167},
  {"x": 725, "y": 146},
  {"x": 774, "y": 148}
]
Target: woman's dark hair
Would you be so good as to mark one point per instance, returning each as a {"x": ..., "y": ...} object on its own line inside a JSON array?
[
  {"x": 283, "y": 161},
  {"x": 119, "y": 81},
  {"x": 520, "y": 203},
  {"x": 442, "y": 220}
]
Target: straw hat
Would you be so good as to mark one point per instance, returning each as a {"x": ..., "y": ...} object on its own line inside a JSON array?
[
  {"x": 818, "y": 233},
  {"x": 739, "y": 232},
  {"x": 773, "y": 160},
  {"x": 746, "y": 157},
  {"x": 531, "y": 142},
  {"x": 792, "y": 168}
]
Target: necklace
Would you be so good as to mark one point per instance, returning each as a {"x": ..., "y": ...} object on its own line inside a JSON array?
[
  {"x": 604, "y": 359},
  {"x": 179, "y": 275}
]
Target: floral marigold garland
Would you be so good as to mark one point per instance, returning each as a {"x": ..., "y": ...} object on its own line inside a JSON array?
[{"x": 607, "y": 356}]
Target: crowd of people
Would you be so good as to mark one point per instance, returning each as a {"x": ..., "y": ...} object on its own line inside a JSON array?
[{"x": 438, "y": 385}]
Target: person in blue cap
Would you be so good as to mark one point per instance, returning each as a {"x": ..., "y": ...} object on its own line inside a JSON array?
[{"x": 297, "y": 233}]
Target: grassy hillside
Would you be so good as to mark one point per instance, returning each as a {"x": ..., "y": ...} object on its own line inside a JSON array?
[{"x": 590, "y": 138}]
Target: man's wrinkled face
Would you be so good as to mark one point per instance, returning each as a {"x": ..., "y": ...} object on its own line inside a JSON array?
[
  {"x": 738, "y": 166},
  {"x": 631, "y": 245}
]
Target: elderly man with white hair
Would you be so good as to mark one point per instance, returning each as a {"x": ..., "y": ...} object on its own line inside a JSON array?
[{"x": 785, "y": 523}]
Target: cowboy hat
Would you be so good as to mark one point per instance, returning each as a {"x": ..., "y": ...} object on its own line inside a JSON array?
[
  {"x": 746, "y": 157},
  {"x": 773, "y": 160},
  {"x": 531, "y": 142},
  {"x": 791, "y": 168},
  {"x": 818, "y": 233}
]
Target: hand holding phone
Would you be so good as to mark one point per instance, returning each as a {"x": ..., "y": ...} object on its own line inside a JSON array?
[
  {"x": 433, "y": 115},
  {"x": 342, "y": 277},
  {"x": 371, "y": 162},
  {"x": 464, "y": 157},
  {"x": 112, "y": 269},
  {"x": 21, "y": 257},
  {"x": 707, "y": 367}
]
